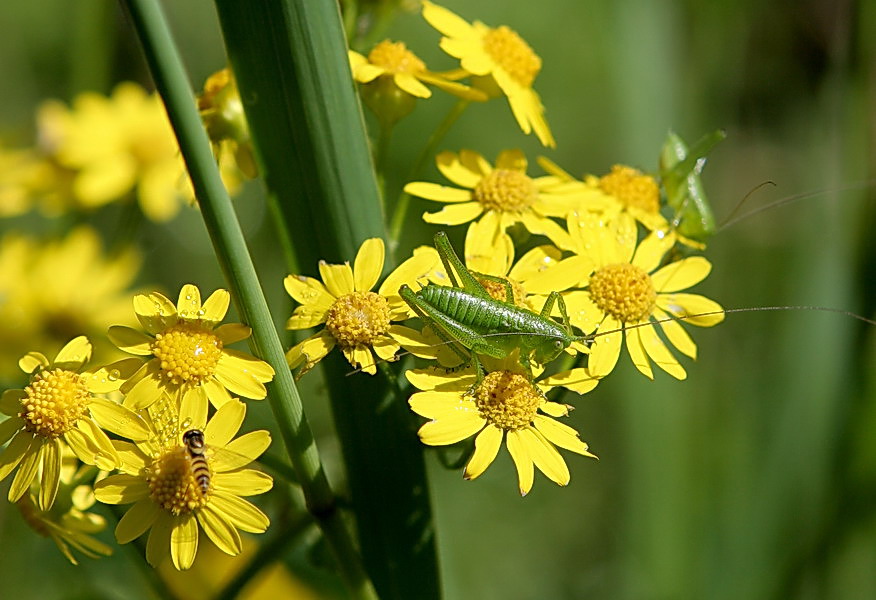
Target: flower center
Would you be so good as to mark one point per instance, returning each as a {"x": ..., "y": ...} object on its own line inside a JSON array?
[
  {"x": 632, "y": 188},
  {"x": 358, "y": 318},
  {"x": 188, "y": 352},
  {"x": 395, "y": 58},
  {"x": 507, "y": 400},
  {"x": 506, "y": 190},
  {"x": 172, "y": 482},
  {"x": 511, "y": 53},
  {"x": 497, "y": 291},
  {"x": 54, "y": 401},
  {"x": 623, "y": 291}
]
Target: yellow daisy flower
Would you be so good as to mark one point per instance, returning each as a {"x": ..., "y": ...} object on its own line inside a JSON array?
[
  {"x": 53, "y": 291},
  {"x": 393, "y": 77},
  {"x": 501, "y": 196},
  {"x": 59, "y": 403},
  {"x": 68, "y": 523},
  {"x": 190, "y": 360},
  {"x": 356, "y": 319},
  {"x": 504, "y": 405},
  {"x": 500, "y": 61},
  {"x": 176, "y": 485},
  {"x": 628, "y": 287}
]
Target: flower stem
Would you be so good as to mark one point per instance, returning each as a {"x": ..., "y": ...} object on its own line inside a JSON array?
[
  {"x": 228, "y": 241},
  {"x": 404, "y": 199}
]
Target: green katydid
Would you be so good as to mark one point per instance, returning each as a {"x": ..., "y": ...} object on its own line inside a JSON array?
[{"x": 472, "y": 322}]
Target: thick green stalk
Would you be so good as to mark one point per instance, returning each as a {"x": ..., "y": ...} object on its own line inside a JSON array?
[
  {"x": 291, "y": 65},
  {"x": 230, "y": 246}
]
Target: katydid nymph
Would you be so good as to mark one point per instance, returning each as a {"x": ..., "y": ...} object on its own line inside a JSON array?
[{"x": 472, "y": 322}]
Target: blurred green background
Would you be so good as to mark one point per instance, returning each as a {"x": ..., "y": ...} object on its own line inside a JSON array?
[{"x": 755, "y": 477}]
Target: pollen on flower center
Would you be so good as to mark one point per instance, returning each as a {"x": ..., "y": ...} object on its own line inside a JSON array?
[
  {"x": 623, "y": 291},
  {"x": 358, "y": 318},
  {"x": 506, "y": 190},
  {"x": 54, "y": 401},
  {"x": 632, "y": 188},
  {"x": 188, "y": 352},
  {"x": 512, "y": 54},
  {"x": 507, "y": 400},
  {"x": 395, "y": 58},
  {"x": 497, "y": 291},
  {"x": 172, "y": 482}
]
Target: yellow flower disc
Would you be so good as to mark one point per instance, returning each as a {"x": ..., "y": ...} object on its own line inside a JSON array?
[
  {"x": 506, "y": 190},
  {"x": 632, "y": 188},
  {"x": 507, "y": 400},
  {"x": 358, "y": 318},
  {"x": 54, "y": 401},
  {"x": 497, "y": 291},
  {"x": 623, "y": 291},
  {"x": 188, "y": 352},
  {"x": 512, "y": 54},
  {"x": 395, "y": 58},
  {"x": 172, "y": 483}
]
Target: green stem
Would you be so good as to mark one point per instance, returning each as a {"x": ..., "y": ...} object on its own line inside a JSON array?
[
  {"x": 230, "y": 246},
  {"x": 404, "y": 199}
]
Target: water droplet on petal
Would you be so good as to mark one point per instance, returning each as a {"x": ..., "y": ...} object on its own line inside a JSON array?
[{"x": 114, "y": 375}]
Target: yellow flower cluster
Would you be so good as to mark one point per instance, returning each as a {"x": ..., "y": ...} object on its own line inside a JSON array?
[{"x": 181, "y": 469}]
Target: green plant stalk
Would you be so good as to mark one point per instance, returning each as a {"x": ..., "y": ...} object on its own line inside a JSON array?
[
  {"x": 228, "y": 241},
  {"x": 292, "y": 69}
]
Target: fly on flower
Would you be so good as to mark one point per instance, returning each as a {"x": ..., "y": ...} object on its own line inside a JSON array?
[{"x": 170, "y": 496}]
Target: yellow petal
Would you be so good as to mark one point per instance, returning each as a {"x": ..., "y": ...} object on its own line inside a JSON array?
[
  {"x": 242, "y": 451},
  {"x": 548, "y": 228},
  {"x": 681, "y": 274},
  {"x": 193, "y": 407},
  {"x": 307, "y": 316},
  {"x": 676, "y": 334},
  {"x": 109, "y": 378},
  {"x": 696, "y": 310},
  {"x": 216, "y": 306},
  {"x": 546, "y": 457},
  {"x": 311, "y": 350},
  {"x": 225, "y": 423},
  {"x": 216, "y": 393},
  {"x": 513, "y": 160},
  {"x": 184, "y": 541},
  {"x": 561, "y": 276},
  {"x": 561, "y": 435},
  {"x": 338, "y": 278},
  {"x": 32, "y": 361},
  {"x": 158, "y": 544},
  {"x": 241, "y": 513},
  {"x": 650, "y": 251},
  {"x": 308, "y": 291},
  {"x": 121, "y": 489},
  {"x": 408, "y": 83},
  {"x": 487, "y": 445},
  {"x": 439, "y": 193},
  {"x": 368, "y": 264},
  {"x": 154, "y": 311},
  {"x": 517, "y": 447},
  {"x": 450, "y": 430},
  {"x": 15, "y": 452},
  {"x": 638, "y": 353},
  {"x": 485, "y": 253},
  {"x": 360, "y": 357},
  {"x": 75, "y": 353},
  {"x": 137, "y": 520},
  {"x": 450, "y": 165},
  {"x": 440, "y": 379},
  {"x": 146, "y": 391},
  {"x": 230, "y": 333},
  {"x": 605, "y": 350},
  {"x": 537, "y": 260},
  {"x": 130, "y": 340},
  {"x": 117, "y": 419},
  {"x": 660, "y": 354},
  {"x": 445, "y": 21},
  {"x": 415, "y": 268},
  {"x": 221, "y": 532},
  {"x": 439, "y": 405},
  {"x": 8, "y": 428},
  {"x": 455, "y": 214},
  {"x": 188, "y": 306},
  {"x": 27, "y": 470},
  {"x": 243, "y": 482},
  {"x": 579, "y": 380}
]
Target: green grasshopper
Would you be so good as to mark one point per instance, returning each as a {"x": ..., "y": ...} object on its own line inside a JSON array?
[{"x": 472, "y": 322}]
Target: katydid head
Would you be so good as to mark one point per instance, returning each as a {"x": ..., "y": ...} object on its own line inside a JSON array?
[{"x": 550, "y": 348}]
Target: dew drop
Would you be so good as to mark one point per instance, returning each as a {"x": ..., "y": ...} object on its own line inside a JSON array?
[{"x": 114, "y": 375}]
